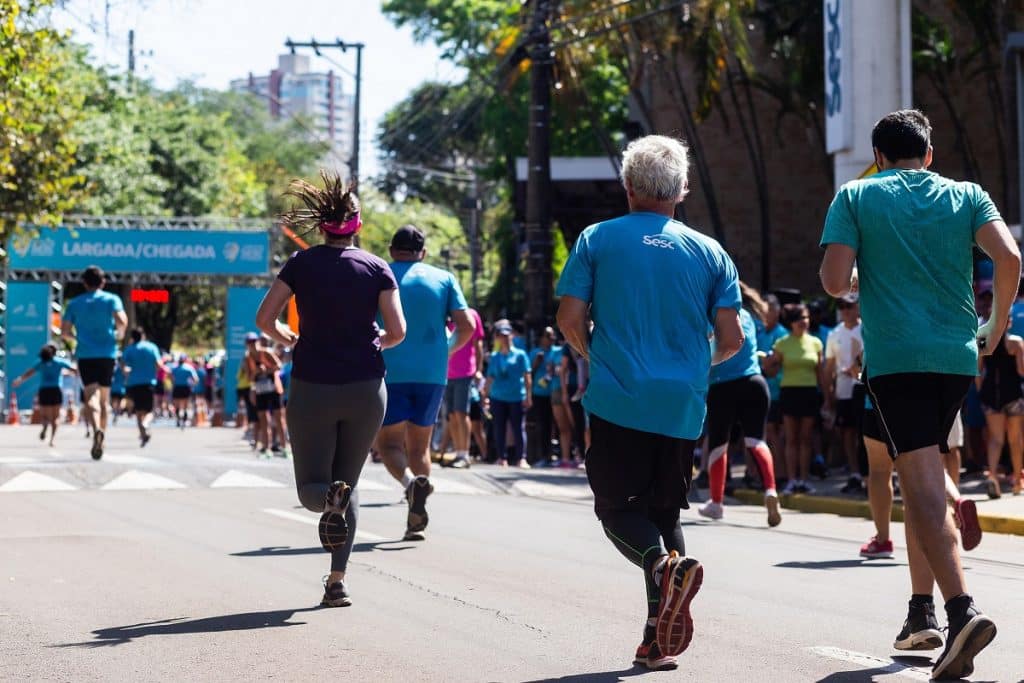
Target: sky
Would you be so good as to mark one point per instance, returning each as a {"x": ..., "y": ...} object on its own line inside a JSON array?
[{"x": 212, "y": 42}]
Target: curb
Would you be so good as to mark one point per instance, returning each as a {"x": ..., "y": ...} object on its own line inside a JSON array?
[{"x": 855, "y": 508}]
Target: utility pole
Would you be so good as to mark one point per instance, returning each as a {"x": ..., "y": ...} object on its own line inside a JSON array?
[
  {"x": 353, "y": 163},
  {"x": 131, "y": 58},
  {"x": 474, "y": 235},
  {"x": 538, "y": 184}
]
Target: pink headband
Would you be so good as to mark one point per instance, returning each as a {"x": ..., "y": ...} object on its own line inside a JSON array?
[{"x": 349, "y": 227}]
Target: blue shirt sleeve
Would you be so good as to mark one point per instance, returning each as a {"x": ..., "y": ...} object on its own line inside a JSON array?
[
  {"x": 116, "y": 304},
  {"x": 726, "y": 290},
  {"x": 985, "y": 210},
  {"x": 69, "y": 311},
  {"x": 456, "y": 299},
  {"x": 840, "y": 226},
  {"x": 577, "y": 278}
]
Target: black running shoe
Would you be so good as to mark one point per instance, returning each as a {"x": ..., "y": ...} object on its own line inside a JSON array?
[
  {"x": 144, "y": 439},
  {"x": 970, "y": 632},
  {"x": 333, "y": 525},
  {"x": 97, "y": 445},
  {"x": 416, "y": 495},
  {"x": 335, "y": 595},
  {"x": 920, "y": 630}
]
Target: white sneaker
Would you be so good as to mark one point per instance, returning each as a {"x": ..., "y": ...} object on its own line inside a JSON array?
[{"x": 712, "y": 510}]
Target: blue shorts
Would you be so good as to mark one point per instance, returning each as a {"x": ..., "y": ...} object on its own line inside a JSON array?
[
  {"x": 413, "y": 402},
  {"x": 456, "y": 395}
]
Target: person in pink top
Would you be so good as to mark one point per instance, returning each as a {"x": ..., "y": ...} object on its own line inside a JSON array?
[{"x": 464, "y": 367}]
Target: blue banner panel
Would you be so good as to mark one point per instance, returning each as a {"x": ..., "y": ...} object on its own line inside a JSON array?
[
  {"x": 185, "y": 252},
  {"x": 28, "y": 328},
  {"x": 243, "y": 302}
]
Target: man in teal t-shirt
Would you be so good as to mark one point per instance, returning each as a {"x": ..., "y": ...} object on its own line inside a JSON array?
[
  {"x": 911, "y": 234},
  {"x": 417, "y": 369},
  {"x": 654, "y": 288},
  {"x": 141, "y": 360}
]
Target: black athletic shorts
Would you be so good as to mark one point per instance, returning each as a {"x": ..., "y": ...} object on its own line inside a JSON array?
[
  {"x": 50, "y": 396},
  {"x": 850, "y": 411},
  {"x": 96, "y": 371},
  {"x": 268, "y": 401},
  {"x": 742, "y": 401},
  {"x": 159, "y": 388},
  {"x": 916, "y": 409},
  {"x": 799, "y": 401},
  {"x": 250, "y": 406},
  {"x": 476, "y": 411},
  {"x": 630, "y": 469},
  {"x": 142, "y": 397},
  {"x": 181, "y": 392}
]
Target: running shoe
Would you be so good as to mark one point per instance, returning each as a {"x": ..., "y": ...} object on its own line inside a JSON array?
[
  {"x": 992, "y": 489},
  {"x": 681, "y": 578},
  {"x": 523, "y": 465},
  {"x": 853, "y": 485},
  {"x": 460, "y": 462},
  {"x": 965, "y": 512},
  {"x": 335, "y": 595},
  {"x": 877, "y": 550},
  {"x": 920, "y": 630},
  {"x": 803, "y": 487},
  {"x": 97, "y": 445},
  {"x": 416, "y": 495},
  {"x": 333, "y": 525},
  {"x": 144, "y": 438},
  {"x": 42, "y": 434},
  {"x": 264, "y": 453},
  {"x": 712, "y": 510},
  {"x": 648, "y": 654},
  {"x": 791, "y": 487},
  {"x": 970, "y": 632},
  {"x": 771, "y": 503}
]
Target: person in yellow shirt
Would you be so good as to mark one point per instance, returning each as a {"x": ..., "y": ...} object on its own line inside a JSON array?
[{"x": 799, "y": 356}]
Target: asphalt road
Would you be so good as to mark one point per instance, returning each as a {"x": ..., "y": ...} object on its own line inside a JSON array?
[{"x": 190, "y": 560}]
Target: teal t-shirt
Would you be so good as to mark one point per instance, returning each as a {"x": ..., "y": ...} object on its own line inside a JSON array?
[
  {"x": 508, "y": 370},
  {"x": 50, "y": 372},
  {"x": 745, "y": 362},
  {"x": 184, "y": 376},
  {"x": 542, "y": 375},
  {"x": 654, "y": 286},
  {"x": 1017, "y": 318},
  {"x": 428, "y": 296},
  {"x": 141, "y": 359},
  {"x": 92, "y": 314},
  {"x": 913, "y": 232},
  {"x": 554, "y": 361},
  {"x": 766, "y": 343}
]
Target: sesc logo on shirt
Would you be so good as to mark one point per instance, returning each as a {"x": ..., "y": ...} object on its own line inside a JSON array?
[{"x": 658, "y": 241}]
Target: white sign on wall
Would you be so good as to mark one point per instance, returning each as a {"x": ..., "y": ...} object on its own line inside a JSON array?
[{"x": 838, "y": 75}]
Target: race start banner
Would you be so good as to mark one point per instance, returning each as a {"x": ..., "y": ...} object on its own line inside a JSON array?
[
  {"x": 243, "y": 302},
  {"x": 28, "y": 321},
  {"x": 185, "y": 252}
]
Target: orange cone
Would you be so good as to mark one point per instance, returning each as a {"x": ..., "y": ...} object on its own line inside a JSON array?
[
  {"x": 200, "y": 418},
  {"x": 218, "y": 414},
  {"x": 13, "y": 417},
  {"x": 72, "y": 416}
]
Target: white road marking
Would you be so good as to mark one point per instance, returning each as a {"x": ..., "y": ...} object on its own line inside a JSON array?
[
  {"x": 236, "y": 479},
  {"x": 127, "y": 459},
  {"x": 543, "y": 490},
  {"x": 33, "y": 481},
  {"x": 315, "y": 521},
  {"x": 450, "y": 486},
  {"x": 17, "y": 460},
  {"x": 133, "y": 480},
  {"x": 878, "y": 665}
]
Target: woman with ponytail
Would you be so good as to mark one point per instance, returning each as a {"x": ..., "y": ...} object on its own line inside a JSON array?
[{"x": 337, "y": 394}]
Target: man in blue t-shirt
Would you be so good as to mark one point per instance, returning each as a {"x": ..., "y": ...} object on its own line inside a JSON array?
[
  {"x": 94, "y": 321},
  {"x": 654, "y": 287},
  {"x": 911, "y": 234},
  {"x": 141, "y": 360},
  {"x": 417, "y": 369}
]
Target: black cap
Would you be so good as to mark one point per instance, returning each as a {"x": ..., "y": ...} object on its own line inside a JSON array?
[{"x": 408, "y": 238}]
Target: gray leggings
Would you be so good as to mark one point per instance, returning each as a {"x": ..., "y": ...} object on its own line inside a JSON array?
[{"x": 332, "y": 427}]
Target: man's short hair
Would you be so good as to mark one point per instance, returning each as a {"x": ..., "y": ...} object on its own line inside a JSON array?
[
  {"x": 904, "y": 134},
  {"x": 656, "y": 167},
  {"x": 93, "y": 277},
  {"x": 137, "y": 334}
]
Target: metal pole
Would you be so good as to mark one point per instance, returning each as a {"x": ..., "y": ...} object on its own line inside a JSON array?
[
  {"x": 354, "y": 164},
  {"x": 131, "y": 58},
  {"x": 1020, "y": 138},
  {"x": 474, "y": 237},
  {"x": 538, "y": 183}
]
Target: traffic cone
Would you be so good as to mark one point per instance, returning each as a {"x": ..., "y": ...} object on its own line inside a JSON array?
[
  {"x": 72, "y": 416},
  {"x": 37, "y": 416},
  {"x": 218, "y": 414},
  {"x": 200, "y": 417},
  {"x": 12, "y": 412}
]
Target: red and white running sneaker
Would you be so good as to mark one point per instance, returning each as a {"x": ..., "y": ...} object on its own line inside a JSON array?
[
  {"x": 681, "y": 578},
  {"x": 965, "y": 512},
  {"x": 648, "y": 655},
  {"x": 876, "y": 550}
]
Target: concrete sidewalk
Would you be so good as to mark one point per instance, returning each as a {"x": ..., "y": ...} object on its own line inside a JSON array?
[{"x": 1003, "y": 516}]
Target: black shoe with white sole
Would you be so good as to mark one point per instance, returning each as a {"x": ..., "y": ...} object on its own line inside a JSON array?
[
  {"x": 335, "y": 595},
  {"x": 416, "y": 495},
  {"x": 970, "y": 632},
  {"x": 920, "y": 630}
]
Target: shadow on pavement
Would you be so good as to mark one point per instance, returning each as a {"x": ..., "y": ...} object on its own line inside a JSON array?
[
  {"x": 285, "y": 551},
  {"x": 840, "y": 564},
  {"x": 596, "y": 677},
  {"x": 246, "y": 621}
]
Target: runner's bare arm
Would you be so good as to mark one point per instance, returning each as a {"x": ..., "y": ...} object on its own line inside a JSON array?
[
  {"x": 728, "y": 335},
  {"x": 464, "y": 328},
  {"x": 390, "y": 307},
  {"x": 572, "y": 321},
  {"x": 269, "y": 314},
  {"x": 994, "y": 239},
  {"x": 66, "y": 332},
  {"x": 837, "y": 269},
  {"x": 120, "y": 324}
]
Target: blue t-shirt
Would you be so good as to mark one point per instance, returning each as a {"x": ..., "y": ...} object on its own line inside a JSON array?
[
  {"x": 766, "y": 342},
  {"x": 745, "y": 362},
  {"x": 554, "y": 361},
  {"x": 92, "y": 314},
  {"x": 1017, "y": 318},
  {"x": 201, "y": 374},
  {"x": 542, "y": 375},
  {"x": 184, "y": 376},
  {"x": 508, "y": 370},
  {"x": 654, "y": 286},
  {"x": 50, "y": 372},
  {"x": 117, "y": 383},
  {"x": 428, "y": 296},
  {"x": 285, "y": 373},
  {"x": 141, "y": 359},
  {"x": 822, "y": 333},
  {"x": 913, "y": 232}
]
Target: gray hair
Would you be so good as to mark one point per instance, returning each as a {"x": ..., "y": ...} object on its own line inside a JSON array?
[{"x": 656, "y": 167}]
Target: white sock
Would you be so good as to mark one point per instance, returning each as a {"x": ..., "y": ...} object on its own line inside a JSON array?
[
  {"x": 407, "y": 477},
  {"x": 770, "y": 493},
  {"x": 463, "y": 455}
]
